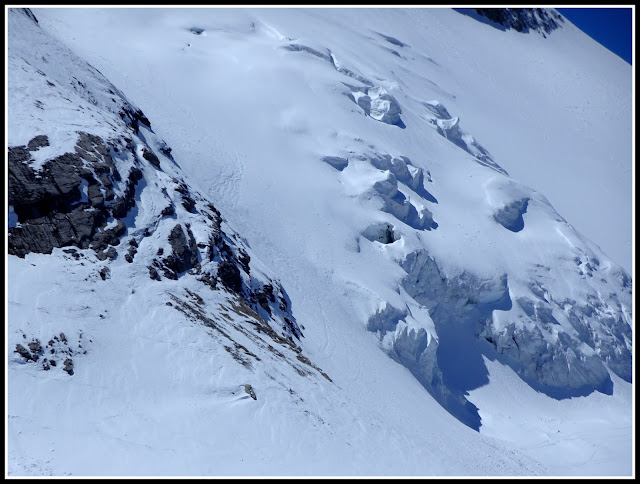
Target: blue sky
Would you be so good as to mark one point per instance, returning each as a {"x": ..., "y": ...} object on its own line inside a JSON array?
[{"x": 611, "y": 27}]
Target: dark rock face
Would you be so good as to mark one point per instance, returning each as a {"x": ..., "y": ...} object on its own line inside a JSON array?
[
  {"x": 184, "y": 253},
  {"x": 22, "y": 351},
  {"x": 38, "y": 142},
  {"x": 68, "y": 366},
  {"x": 66, "y": 203},
  {"x": 229, "y": 275},
  {"x": 134, "y": 117},
  {"x": 263, "y": 296},
  {"x": 523, "y": 19},
  {"x": 151, "y": 158},
  {"x": 133, "y": 249}
]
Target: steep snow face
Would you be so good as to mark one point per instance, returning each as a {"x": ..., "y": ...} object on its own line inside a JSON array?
[
  {"x": 390, "y": 226},
  {"x": 132, "y": 302}
]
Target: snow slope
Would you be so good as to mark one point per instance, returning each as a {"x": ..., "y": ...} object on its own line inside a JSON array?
[
  {"x": 565, "y": 93},
  {"x": 342, "y": 146}
]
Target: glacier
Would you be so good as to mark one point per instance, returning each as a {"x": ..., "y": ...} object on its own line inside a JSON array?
[{"x": 293, "y": 274}]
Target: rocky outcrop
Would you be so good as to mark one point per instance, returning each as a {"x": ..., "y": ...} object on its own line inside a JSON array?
[
  {"x": 249, "y": 391},
  {"x": 101, "y": 181},
  {"x": 542, "y": 20},
  {"x": 57, "y": 350},
  {"x": 70, "y": 201},
  {"x": 184, "y": 253}
]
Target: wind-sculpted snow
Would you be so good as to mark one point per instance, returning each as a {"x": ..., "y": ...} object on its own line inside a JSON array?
[
  {"x": 331, "y": 58},
  {"x": 449, "y": 127},
  {"x": 553, "y": 346},
  {"x": 558, "y": 347},
  {"x": 394, "y": 181},
  {"x": 404, "y": 171},
  {"x": 309, "y": 50},
  {"x": 455, "y": 305},
  {"x": 393, "y": 40},
  {"x": 399, "y": 205},
  {"x": 528, "y": 320},
  {"x": 510, "y": 216},
  {"x": 377, "y": 103},
  {"x": 381, "y": 232},
  {"x": 337, "y": 162}
]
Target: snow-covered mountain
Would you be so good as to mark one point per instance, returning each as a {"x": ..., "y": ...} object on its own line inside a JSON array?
[{"x": 315, "y": 242}]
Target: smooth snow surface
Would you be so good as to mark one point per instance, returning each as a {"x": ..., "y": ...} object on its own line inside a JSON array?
[{"x": 424, "y": 186}]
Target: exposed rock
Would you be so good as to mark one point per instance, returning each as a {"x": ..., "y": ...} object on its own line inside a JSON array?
[
  {"x": 168, "y": 210},
  {"x": 166, "y": 151},
  {"x": 131, "y": 252},
  {"x": 188, "y": 203},
  {"x": 38, "y": 142},
  {"x": 35, "y": 347},
  {"x": 151, "y": 157},
  {"x": 249, "y": 390},
  {"x": 229, "y": 276},
  {"x": 153, "y": 273},
  {"x": 68, "y": 366},
  {"x": 105, "y": 273},
  {"x": 134, "y": 117},
  {"x": 184, "y": 254},
  {"x": 524, "y": 19},
  {"x": 263, "y": 297},
  {"x": 244, "y": 261},
  {"x": 63, "y": 203},
  {"x": 122, "y": 205},
  {"x": 22, "y": 351},
  {"x": 110, "y": 236}
]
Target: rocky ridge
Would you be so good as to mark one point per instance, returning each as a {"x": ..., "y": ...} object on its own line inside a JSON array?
[
  {"x": 119, "y": 193},
  {"x": 541, "y": 20}
]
